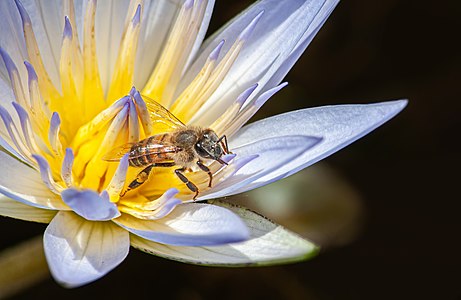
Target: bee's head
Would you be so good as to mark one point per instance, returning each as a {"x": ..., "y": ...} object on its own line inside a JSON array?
[{"x": 209, "y": 146}]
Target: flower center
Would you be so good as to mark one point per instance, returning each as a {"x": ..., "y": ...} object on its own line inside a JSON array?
[{"x": 67, "y": 132}]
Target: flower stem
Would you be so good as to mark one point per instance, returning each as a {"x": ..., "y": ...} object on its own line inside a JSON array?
[{"x": 22, "y": 266}]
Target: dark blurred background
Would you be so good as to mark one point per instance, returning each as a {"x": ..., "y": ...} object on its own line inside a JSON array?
[{"x": 386, "y": 209}]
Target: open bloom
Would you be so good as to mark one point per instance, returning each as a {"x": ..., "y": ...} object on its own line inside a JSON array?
[{"x": 79, "y": 79}]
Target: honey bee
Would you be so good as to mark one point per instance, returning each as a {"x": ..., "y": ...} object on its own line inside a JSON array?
[{"x": 180, "y": 145}]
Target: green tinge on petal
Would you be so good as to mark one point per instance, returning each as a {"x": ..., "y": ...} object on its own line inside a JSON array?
[{"x": 269, "y": 244}]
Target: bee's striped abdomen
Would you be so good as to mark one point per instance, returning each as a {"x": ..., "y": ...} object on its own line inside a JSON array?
[{"x": 152, "y": 150}]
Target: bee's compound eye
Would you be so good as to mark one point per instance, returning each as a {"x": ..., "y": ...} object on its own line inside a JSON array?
[{"x": 201, "y": 151}]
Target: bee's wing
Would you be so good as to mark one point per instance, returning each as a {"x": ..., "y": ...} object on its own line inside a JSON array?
[
  {"x": 117, "y": 153},
  {"x": 162, "y": 119}
]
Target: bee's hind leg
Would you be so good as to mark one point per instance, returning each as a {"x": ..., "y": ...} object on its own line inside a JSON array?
[
  {"x": 140, "y": 179},
  {"x": 188, "y": 183},
  {"x": 205, "y": 169},
  {"x": 144, "y": 175}
]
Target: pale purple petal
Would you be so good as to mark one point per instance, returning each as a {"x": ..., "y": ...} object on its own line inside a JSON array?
[
  {"x": 269, "y": 244},
  {"x": 338, "y": 125},
  {"x": 272, "y": 154},
  {"x": 79, "y": 252},
  {"x": 89, "y": 205},
  {"x": 190, "y": 224}
]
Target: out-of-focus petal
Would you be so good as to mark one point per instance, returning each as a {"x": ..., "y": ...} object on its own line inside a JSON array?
[
  {"x": 14, "y": 209},
  {"x": 79, "y": 251},
  {"x": 190, "y": 224},
  {"x": 90, "y": 205},
  {"x": 269, "y": 244},
  {"x": 24, "y": 184},
  {"x": 272, "y": 154},
  {"x": 338, "y": 125}
]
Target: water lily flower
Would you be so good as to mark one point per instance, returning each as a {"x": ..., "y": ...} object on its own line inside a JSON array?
[{"x": 78, "y": 79}]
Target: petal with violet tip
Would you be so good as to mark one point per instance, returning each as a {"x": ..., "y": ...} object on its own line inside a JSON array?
[
  {"x": 90, "y": 205},
  {"x": 79, "y": 252},
  {"x": 11, "y": 39},
  {"x": 24, "y": 184},
  {"x": 273, "y": 154},
  {"x": 190, "y": 224},
  {"x": 14, "y": 209},
  {"x": 338, "y": 125},
  {"x": 282, "y": 28},
  {"x": 269, "y": 244}
]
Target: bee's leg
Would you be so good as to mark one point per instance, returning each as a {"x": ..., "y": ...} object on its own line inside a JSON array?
[
  {"x": 140, "y": 179},
  {"x": 205, "y": 169},
  {"x": 184, "y": 179}
]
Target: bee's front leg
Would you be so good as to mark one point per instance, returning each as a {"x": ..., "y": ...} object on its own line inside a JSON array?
[
  {"x": 188, "y": 183},
  {"x": 205, "y": 169}
]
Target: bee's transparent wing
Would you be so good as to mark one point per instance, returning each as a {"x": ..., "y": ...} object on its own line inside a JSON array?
[
  {"x": 117, "y": 153},
  {"x": 162, "y": 119}
]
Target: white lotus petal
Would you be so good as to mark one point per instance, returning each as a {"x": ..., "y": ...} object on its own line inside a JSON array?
[
  {"x": 156, "y": 22},
  {"x": 338, "y": 125},
  {"x": 202, "y": 31},
  {"x": 47, "y": 22},
  {"x": 79, "y": 251},
  {"x": 110, "y": 16},
  {"x": 284, "y": 27},
  {"x": 24, "y": 184},
  {"x": 190, "y": 224},
  {"x": 14, "y": 209},
  {"x": 6, "y": 98},
  {"x": 269, "y": 244},
  {"x": 273, "y": 154},
  {"x": 11, "y": 38}
]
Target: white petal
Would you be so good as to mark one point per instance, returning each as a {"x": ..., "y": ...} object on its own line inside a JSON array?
[
  {"x": 110, "y": 22},
  {"x": 190, "y": 224},
  {"x": 282, "y": 30},
  {"x": 11, "y": 37},
  {"x": 24, "y": 184},
  {"x": 6, "y": 98},
  {"x": 269, "y": 244},
  {"x": 79, "y": 252},
  {"x": 202, "y": 31},
  {"x": 272, "y": 155},
  {"x": 338, "y": 125},
  {"x": 14, "y": 209},
  {"x": 47, "y": 22},
  {"x": 156, "y": 22}
]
